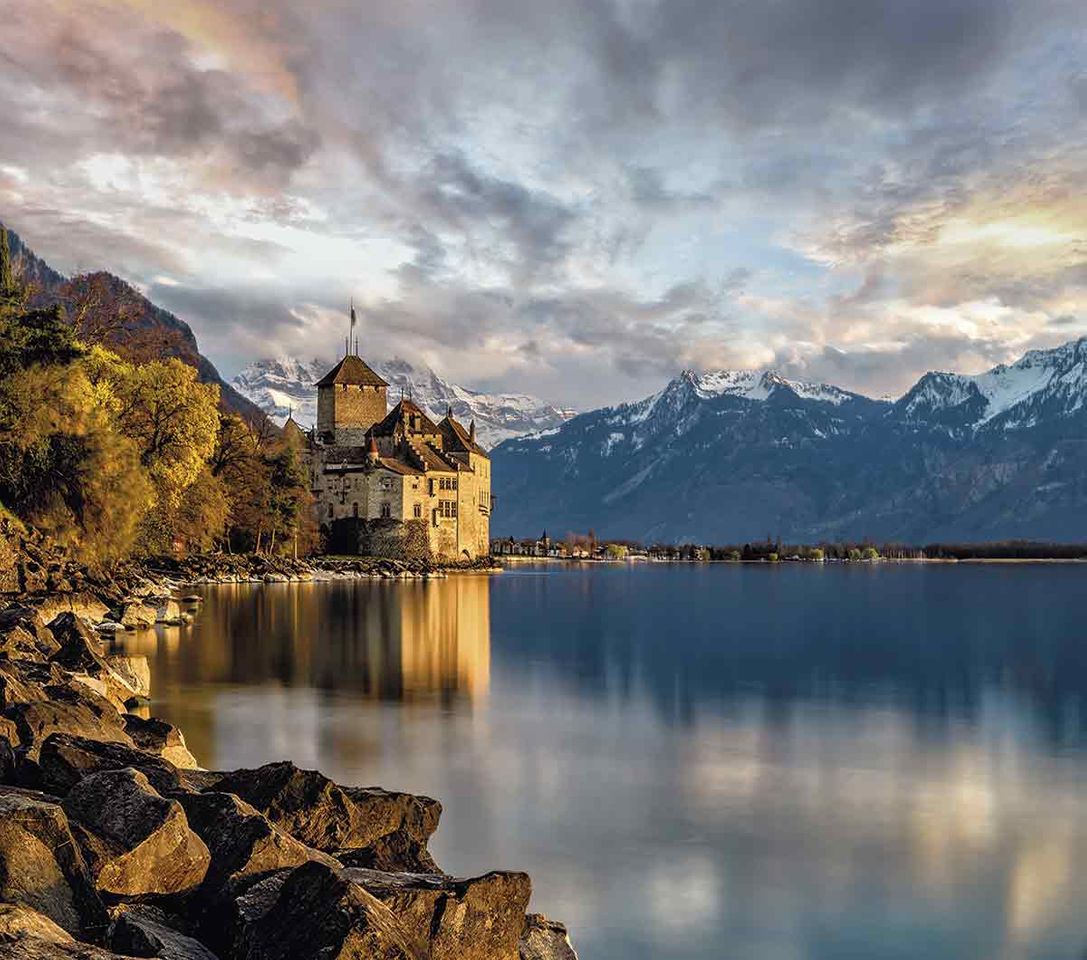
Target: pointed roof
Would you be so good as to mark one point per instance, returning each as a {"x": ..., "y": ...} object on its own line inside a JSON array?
[
  {"x": 458, "y": 438},
  {"x": 354, "y": 370},
  {"x": 407, "y": 413}
]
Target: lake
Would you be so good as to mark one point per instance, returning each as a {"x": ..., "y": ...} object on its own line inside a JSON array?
[{"x": 865, "y": 761}]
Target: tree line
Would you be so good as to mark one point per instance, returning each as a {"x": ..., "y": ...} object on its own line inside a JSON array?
[{"x": 117, "y": 455}]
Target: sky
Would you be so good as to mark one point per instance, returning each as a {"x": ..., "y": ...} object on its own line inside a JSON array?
[{"x": 575, "y": 199}]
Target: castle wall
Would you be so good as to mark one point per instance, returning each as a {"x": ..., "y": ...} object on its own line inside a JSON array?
[
  {"x": 347, "y": 411},
  {"x": 396, "y": 539}
]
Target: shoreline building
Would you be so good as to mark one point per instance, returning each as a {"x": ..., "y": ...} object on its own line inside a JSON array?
[{"x": 392, "y": 482}]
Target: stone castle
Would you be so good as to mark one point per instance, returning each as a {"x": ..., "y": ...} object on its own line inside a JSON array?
[{"x": 393, "y": 482}]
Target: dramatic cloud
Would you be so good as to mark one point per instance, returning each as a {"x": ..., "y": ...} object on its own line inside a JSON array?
[{"x": 576, "y": 198}]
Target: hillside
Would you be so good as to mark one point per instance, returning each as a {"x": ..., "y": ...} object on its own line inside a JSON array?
[
  {"x": 147, "y": 330},
  {"x": 736, "y": 455}
]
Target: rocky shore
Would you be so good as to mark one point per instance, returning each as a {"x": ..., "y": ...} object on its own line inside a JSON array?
[{"x": 115, "y": 843}]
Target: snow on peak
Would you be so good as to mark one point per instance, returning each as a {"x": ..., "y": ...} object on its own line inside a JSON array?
[
  {"x": 758, "y": 385},
  {"x": 282, "y": 385}
]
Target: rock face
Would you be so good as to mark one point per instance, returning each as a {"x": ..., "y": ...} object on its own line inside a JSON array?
[
  {"x": 392, "y": 828},
  {"x": 42, "y": 868},
  {"x": 67, "y": 759},
  {"x": 136, "y": 841},
  {"x": 144, "y": 931},
  {"x": 160, "y": 738},
  {"x": 318, "y": 913},
  {"x": 545, "y": 939},
  {"x": 242, "y": 843},
  {"x": 477, "y": 919}
]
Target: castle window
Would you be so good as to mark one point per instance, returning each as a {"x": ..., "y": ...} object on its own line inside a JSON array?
[
  {"x": 386, "y": 510},
  {"x": 418, "y": 511},
  {"x": 343, "y": 388},
  {"x": 331, "y": 511},
  {"x": 448, "y": 508},
  {"x": 355, "y": 509}
]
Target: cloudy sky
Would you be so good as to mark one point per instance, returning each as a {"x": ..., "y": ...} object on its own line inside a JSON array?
[{"x": 575, "y": 198}]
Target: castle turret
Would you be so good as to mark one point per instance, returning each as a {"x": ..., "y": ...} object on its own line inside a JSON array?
[{"x": 351, "y": 398}]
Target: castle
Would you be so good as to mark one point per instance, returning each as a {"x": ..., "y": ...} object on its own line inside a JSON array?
[{"x": 393, "y": 482}]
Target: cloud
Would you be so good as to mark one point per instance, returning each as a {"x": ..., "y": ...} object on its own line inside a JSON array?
[{"x": 577, "y": 198}]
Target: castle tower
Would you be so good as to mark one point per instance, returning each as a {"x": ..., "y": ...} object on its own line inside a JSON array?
[{"x": 351, "y": 398}]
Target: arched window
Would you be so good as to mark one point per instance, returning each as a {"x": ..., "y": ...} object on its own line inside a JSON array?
[{"x": 355, "y": 509}]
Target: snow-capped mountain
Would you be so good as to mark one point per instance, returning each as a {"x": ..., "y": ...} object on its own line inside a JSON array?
[
  {"x": 284, "y": 384},
  {"x": 1043, "y": 384},
  {"x": 734, "y": 455}
]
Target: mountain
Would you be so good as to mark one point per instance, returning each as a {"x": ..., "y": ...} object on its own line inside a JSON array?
[
  {"x": 731, "y": 456},
  {"x": 147, "y": 331},
  {"x": 283, "y": 384}
]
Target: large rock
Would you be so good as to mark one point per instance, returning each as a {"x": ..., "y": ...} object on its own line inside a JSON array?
[
  {"x": 20, "y": 922},
  {"x": 41, "y": 866},
  {"x": 34, "y": 949},
  {"x": 65, "y": 760},
  {"x": 160, "y": 738},
  {"x": 136, "y": 615},
  {"x": 136, "y": 841},
  {"x": 36, "y": 722},
  {"x": 81, "y": 653},
  {"x": 134, "y": 671},
  {"x": 544, "y": 939},
  {"x": 24, "y": 681},
  {"x": 242, "y": 843},
  {"x": 476, "y": 919},
  {"x": 23, "y": 633},
  {"x": 318, "y": 812},
  {"x": 80, "y": 603},
  {"x": 317, "y": 913},
  {"x": 167, "y": 611},
  {"x": 143, "y": 931}
]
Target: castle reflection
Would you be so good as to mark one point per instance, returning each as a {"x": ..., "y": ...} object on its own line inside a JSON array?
[{"x": 404, "y": 642}]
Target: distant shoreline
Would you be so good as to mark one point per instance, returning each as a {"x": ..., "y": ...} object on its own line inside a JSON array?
[{"x": 515, "y": 560}]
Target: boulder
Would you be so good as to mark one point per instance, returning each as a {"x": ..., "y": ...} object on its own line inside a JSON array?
[
  {"x": 136, "y": 841},
  {"x": 135, "y": 615},
  {"x": 64, "y": 760},
  {"x": 143, "y": 931},
  {"x": 81, "y": 603},
  {"x": 242, "y": 843},
  {"x": 20, "y": 922},
  {"x": 35, "y": 722},
  {"x": 24, "y": 681},
  {"x": 317, "y": 912},
  {"x": 23, "y": 634},
  {"x": 81, "y": 653},
  {"x": 476, "y": 919},
  {"x": 544, "y": 939},
  {"x": 34, "y": 949},
  {"x": 41, "y": 866},
  {"x": 318, "y": 812},
  {"x": 160, "y": 738},
  {"x": 167, "y": 611},
  {"x": 134, "y": 671}
]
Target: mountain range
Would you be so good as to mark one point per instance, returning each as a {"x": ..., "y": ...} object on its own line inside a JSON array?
[
  {"x": 732, "y": 456},
  {"x": 285, "y": 385}
]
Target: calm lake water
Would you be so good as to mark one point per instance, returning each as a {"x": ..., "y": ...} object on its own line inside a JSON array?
[{"x": 878, "y": 761}]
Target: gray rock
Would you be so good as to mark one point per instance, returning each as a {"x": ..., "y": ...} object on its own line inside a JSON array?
[
  {"x": 320, "y": 813},
  {"x": 41, "y": 866},
  {"x": 65, "y": 760},
  {"x": 317, "y": 913},
  {"x": 136, "y": 842},
  {"x": 36, "y": 722},
  {"x": 481, "y": 918},
  {"x": 143, "y": 931},
  {"x": 242, "y": 843},
  {"x": 160, "y": 738},
  {"x": 545, "y": 939}
]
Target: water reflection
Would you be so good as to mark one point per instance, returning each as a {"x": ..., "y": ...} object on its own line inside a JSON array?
[{"x": 875, "y": 763}]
